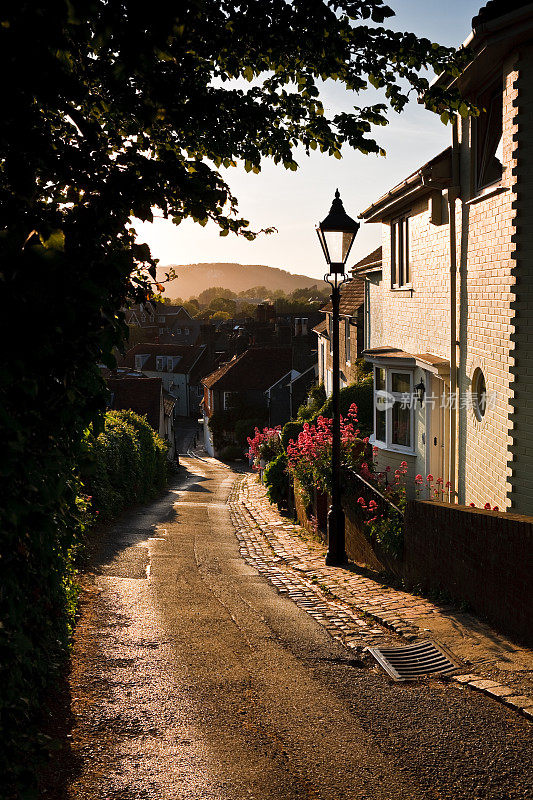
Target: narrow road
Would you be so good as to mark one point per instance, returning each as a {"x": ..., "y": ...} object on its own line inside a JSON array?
[{"x": 193, "y": 679}]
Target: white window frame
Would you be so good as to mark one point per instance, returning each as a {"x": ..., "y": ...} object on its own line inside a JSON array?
[
  {"x": 388, "y": 394},
  {"x": 227, "y": 397},
  {"x": 160, "y": 363},
  {"x": 401, "y": 271},
  {"x": 347, "y": 342}
]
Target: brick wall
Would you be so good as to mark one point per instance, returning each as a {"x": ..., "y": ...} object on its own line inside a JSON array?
[
  {"x": 521, "y": 450},
  {"x": 485, "y": 327},
  {"x": 482, "y": 558},
  {"x": 418, "y": 320}
]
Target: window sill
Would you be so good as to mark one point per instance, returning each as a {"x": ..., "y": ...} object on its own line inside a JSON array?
[
  {"x": 486, "y": 193},
  {"x": 392, "y": 448},
  {"x": 407, "y": 288}
]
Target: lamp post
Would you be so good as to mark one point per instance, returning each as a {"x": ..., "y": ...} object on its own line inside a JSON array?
[{"x": 336, "y": 233}]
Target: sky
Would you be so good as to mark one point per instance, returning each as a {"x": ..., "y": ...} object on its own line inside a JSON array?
[{"x": 293, "y": 202}]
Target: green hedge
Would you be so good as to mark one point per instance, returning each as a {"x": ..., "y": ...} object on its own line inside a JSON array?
[
  {"x": 125, "y": 464},
  {"x": 277, "y": 481},
  {"x": 361, "y": 394}
]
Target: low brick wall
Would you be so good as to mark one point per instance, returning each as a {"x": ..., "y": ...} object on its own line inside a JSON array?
[
  {"x": 484, "y": 558},
  {"x": 358, "y": 548}
]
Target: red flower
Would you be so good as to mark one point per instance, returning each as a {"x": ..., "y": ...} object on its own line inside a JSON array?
[
  {"x": 495, "y": 508},
  {"x": 429, "y": 478},
  {"x": 472, "y": 505},
  {"x": 487, "y": 507}
]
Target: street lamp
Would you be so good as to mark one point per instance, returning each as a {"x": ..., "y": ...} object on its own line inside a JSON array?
[{"x": 336, "y": 234}]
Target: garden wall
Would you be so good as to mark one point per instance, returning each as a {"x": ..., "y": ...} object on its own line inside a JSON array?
[{"x": 484, "y": 558}]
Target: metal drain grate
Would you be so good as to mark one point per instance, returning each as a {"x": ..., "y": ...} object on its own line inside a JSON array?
[{"x": 414, "y": 660}]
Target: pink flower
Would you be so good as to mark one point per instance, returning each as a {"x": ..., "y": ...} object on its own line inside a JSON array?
[
  {"x": 439, "y": 481},
  {"x": 429, "y": 478},
  {"x": 487, "y": 506}
]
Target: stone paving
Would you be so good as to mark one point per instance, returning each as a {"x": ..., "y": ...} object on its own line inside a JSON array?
[{"x": 359, "y": 610}]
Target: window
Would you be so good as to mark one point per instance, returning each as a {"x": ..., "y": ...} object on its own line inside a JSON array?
[
  {"x": 178, "y": 330},
  {"x": 479, "y": 394},
  {"x": 187, "y": 331},
  {"x": 489, "y": 138},
  {"x": 347, "y": 340},
  {"x": 400, "y": 255},
  {"x": 393, "y": 408},
  {"x": 227, "y": 400},
  {"x": 160, "y": 363},
  {"x": 161, "y": 319},
  {"x": 139, "y": 361}
]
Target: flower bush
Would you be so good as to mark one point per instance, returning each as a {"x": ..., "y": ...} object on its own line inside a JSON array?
[
  {"x": 265, "y": 444},
  {"x": 309, "y": 456},
  {"x": 383, "y": 517}
]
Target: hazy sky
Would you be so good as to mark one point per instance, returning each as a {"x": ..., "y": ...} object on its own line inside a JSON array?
[{"x": 294, "y": 202}]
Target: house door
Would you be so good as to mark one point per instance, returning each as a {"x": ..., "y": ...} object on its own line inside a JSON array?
[{"x": 436, "y": 416}]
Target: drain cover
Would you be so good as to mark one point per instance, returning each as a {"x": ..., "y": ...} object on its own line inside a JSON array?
[{"x": 414, "y": 660}]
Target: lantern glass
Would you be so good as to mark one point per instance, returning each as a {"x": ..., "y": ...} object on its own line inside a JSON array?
[
  {"x": 337, "y": 233},
  {"x": 338, "y": 244}
]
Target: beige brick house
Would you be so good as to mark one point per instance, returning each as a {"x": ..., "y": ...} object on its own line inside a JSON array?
[
  {"x": 449, "y": 312},
  {"x": 351, "y": 334}
]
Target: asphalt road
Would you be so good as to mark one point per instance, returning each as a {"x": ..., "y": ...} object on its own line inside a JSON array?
[{"x": 192, "y": 678}]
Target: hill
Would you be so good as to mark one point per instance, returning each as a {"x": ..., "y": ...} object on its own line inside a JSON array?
[{"x": 194, "y": 278}]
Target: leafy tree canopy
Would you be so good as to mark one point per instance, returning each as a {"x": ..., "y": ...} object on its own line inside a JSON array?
[{"x": 111, "y": 109}]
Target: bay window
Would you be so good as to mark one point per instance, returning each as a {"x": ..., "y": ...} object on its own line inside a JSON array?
[{"x": 393, "y": 409}]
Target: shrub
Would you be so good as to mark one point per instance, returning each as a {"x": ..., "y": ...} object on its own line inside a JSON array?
[
  {"x": 360, "y": 394},
  {"x": 290, "y": 432},
  {"x": 245, "y": 428},
  {"x": 309, "y": 457},
  {"x": 315, "y": 400},
  {"x": 124, "y": 464},
  {"x": 265, "y": 445},
  {"x": 277, "y": 481}
]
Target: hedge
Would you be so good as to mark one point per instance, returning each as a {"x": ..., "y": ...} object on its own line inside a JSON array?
[{"x": 124, "y": 464}]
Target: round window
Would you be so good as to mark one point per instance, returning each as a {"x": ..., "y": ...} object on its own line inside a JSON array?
[{"x": 479, "y": 394}]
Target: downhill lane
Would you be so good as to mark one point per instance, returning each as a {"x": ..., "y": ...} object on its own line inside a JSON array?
[{"x": 192, "y": 678}]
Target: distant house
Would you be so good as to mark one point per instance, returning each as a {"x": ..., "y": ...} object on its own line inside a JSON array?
[
  {"x": 180, "y": 367},
  {"x": 165, "y": 323},
  {"x": 288, "y": 393},
  {"x": 351, "y": 335},
  {"x": 146, "y": 397},
  {"x": 244, "y": 379}
]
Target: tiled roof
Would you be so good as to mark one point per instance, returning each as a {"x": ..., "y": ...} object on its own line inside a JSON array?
[
  {"x": 188, "y": 353},
  {"x": 257, "y": 368},
  {"x": 496, "y": 8},
  {"x": 321, "y": 328},
  {"x": 352, "y": 297},
  {"x": 142, "y": 395},
  {"x": 373, "y": 259}
]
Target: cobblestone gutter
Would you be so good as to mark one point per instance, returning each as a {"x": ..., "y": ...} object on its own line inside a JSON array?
[{"x": 355, "y": 609}]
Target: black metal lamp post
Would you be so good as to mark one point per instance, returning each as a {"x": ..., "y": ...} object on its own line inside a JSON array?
[{"x": 336, "y": 233}]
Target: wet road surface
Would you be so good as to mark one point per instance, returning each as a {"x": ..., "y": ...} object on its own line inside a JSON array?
[{"x": 192, "y": 678}]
